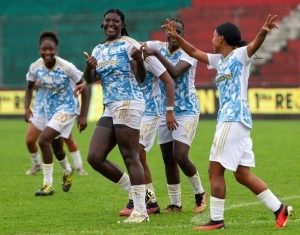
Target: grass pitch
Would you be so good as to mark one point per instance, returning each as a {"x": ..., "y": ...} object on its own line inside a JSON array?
[{"x": 93, "y": 203}]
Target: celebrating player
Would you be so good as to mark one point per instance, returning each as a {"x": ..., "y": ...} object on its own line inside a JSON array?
[
  {"x": 232, "y": 145},
  {"x": 60, "y": 105}
]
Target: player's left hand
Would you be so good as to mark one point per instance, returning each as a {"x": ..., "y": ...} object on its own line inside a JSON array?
[
  {"x": 270, "y": 23},
  {"x": 136, "y": 54}
]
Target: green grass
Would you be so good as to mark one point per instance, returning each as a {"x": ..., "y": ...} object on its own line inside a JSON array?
[{"x": 93, "y": 203}]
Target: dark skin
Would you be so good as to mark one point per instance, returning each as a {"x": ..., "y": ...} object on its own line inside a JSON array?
[
  {"x": 174, "y": 152},
  {"x": 47, "y": 138},
  {"x": 125, "y": 137}
]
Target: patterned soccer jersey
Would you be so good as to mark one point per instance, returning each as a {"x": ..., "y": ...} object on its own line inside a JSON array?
[
  {"x": 186, "y": 101},
  {"x": 232, "y": 82},
  {"x": 151, "y": 88},
  {"x": 58, "y": 85},
  {"x": 38, "y": 105},
  {"x": 114, "y": 70}
]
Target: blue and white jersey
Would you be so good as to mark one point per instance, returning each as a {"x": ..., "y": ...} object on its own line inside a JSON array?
[
  {"x": 186, "y": 101},
  {"x": 58, "y": 84},
  {"x": 114, "y": 70},
  {"x": 232, "y": 82},
  {"x": 38, "y": 105},
  {"x": 151, "y": 87}
]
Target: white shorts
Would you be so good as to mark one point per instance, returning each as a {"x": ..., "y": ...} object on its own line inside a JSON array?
[
  {"x": 148, "y": 131},
  {"x": 39, "y": 121},
  {"x": 232, "y": 146},
  {"x": 126, "y": 112},
  {"x": 184, "y": 133},
  {"x": 63, "y": 123}
]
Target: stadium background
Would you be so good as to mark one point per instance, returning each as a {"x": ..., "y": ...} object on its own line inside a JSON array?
[{"x": 274, "y": 82}]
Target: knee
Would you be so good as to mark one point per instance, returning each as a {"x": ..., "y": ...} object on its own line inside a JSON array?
[
  {"x": 240, "y": 178},
  {"x": 181, "y": 159},
  {"x": 43, "y": 143},
  {"x": 30, "y": 141}
]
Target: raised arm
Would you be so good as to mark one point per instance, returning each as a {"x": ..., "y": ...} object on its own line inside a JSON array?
[
  {"x": 186, "y": 46},
  {"x": 260, "y": 38}
]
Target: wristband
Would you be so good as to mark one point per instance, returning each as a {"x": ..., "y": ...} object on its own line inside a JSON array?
[{"x": 170, "y": 108}]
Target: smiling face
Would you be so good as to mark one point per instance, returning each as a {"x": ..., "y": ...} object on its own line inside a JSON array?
[
  {"x": 47, "y": 51},
  {"x": 112, "y": 25}
]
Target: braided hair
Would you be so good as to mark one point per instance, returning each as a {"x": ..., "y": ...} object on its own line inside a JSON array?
[
  {"x": 48, "y": 35},
  {"x": 120, "y": 13}
]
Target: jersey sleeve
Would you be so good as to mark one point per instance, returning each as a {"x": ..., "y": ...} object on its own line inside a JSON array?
[
  {"x": 213, "y": 60},
  {"x": 153, "y": 65},
  {"x": 94, "y": 52},
  {"x": 153, "y": 44},
  {"x": 31, "y": 76},
  {"x": 242, "y": 55},
  {"x": 76, "y": 74},
  {"x": 130, "y": 46},
  {"x": 187, "y": 58}
]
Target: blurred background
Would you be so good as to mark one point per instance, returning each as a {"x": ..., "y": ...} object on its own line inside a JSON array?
[{"x": 77, "y": 23}]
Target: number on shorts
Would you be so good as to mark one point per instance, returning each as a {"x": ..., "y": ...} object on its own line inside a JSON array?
[{"x": 61, "y": 117}]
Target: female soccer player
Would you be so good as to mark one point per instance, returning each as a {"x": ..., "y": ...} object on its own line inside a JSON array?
[
  {"x": 120, "y": 66},
  {"x": 175, "y": 144},
  {"x": 58, "y": 78},
  {"x": 232, "y": 144},
  {"x": 156, "y": 73},
  {"x": 35, "y": 128}
]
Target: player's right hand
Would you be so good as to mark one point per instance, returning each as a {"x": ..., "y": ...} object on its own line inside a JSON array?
[
  {"x": 28, "y": 115},
  {"x": 79, "y": 88}
]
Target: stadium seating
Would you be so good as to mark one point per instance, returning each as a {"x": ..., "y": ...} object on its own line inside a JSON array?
[{"x": 201, "y": 20}]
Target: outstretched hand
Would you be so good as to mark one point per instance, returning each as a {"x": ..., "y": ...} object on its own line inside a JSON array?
[
  {"x": 270, "y": 23},
  {"x": 170, "y": 28}
]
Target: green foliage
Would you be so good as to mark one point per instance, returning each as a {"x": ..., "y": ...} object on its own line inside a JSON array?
[{"x": 93, "y": 203}]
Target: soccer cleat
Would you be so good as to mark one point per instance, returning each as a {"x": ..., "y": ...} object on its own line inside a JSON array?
[
  {"x": 200, "y": 204},
  {"x": 211, "y": 225},
  {"x": 136, "y": 217},
  {"x": 46, "y": 190},
  {"x": 149, "y": 196},
  {"x": 173, "y": 208},
  {"x": 127, "y": 210},
  {"x": 153, "y": 208},
  {"x": 66, "y": 181},
  {"x": 81, "y": 171},
  {"x": 282, "y": 217},
  {"x": 34, "y": 169}
]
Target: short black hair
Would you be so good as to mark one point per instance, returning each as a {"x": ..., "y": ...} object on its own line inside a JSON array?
[{"x": 49, "y": 35}]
